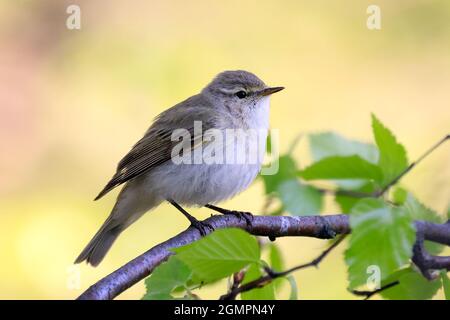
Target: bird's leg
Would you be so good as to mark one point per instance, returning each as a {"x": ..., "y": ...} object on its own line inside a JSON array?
[
  {"x": 247, "y": 216},
  {"x": 199, "y": 225}
]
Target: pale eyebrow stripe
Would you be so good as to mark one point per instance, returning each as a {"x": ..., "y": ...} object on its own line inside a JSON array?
[{"x": 228, "y": 91}]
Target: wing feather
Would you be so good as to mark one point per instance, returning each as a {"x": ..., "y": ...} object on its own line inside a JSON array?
[{"x": 156, "y": 146}]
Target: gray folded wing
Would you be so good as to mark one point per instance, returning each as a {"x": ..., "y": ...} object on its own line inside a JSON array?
[{"x": 156, "y": 146}]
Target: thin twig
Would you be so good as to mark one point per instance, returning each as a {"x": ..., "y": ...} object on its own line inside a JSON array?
[
  {"x": 368, "y": 294},
  {"x": 378, "y": 193},
  {"x": 348, "y": 193},
  {"x": 271, "y": 274},
  {"x": 315, "y": 262},
  {"x": 413, "y": 164}
]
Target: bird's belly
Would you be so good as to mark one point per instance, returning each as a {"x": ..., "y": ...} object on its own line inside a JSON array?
[
  {"x": 193, "y": 185},
  {"x": 201, "y": 184}
]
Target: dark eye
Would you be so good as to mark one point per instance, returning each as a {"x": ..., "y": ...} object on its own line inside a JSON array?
[{"x": 241, "y": 94}]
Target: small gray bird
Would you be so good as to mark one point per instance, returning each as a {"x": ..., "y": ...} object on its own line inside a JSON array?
[{"x": 236, "y": 100}]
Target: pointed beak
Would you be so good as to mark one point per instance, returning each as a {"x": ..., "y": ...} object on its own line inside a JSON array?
[{"x": 269, "y": 91}]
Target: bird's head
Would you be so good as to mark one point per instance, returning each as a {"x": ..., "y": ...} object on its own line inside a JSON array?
[{"x": 240, "y": 92}]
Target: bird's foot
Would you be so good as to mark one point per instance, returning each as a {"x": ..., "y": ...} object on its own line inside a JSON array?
[
  {"x": 247, "y": 216},
  {"x": 202, "y": 227}
]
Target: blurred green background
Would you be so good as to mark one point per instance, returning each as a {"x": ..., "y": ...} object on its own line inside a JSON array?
[{"x": 72, "y": 103}]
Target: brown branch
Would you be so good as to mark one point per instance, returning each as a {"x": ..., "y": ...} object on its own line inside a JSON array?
[
  {"x": 269, "y": 226},
  {"x": 272, "y": 275},
  {"x": 425, "y": 261}
]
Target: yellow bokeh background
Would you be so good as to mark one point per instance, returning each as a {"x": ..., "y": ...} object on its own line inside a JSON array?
[{"x": 72, "y": 103}]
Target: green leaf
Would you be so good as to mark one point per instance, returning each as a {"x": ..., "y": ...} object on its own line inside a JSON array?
[
  {"x": 382, "y": 236},
  {"x": 418, "y": 211},
  {"x": 165, "y": 278},
  {"x": 342, "y": 167},
  {"x": 346, "y": 202},
  {"x": 445, "y": 284},
  {"x": 399, "y": 195},
  {"x": 324, "y": 145},
  {"x": 293, "y": 295},
  {"x": 275, "y": 258},
  {"x": 265, "y": 293},
  {"x": 393, "y": 159},
  {"x": 276, "y": 262},
  {"x": 448, "y": 212},
  {"x": 327, "y": 144},
  {"x": 299, "y": 199},
  {"x": 219, "y": 254},
  {"x": 412, "y": 286},
  {"x": 269, "y": 143},
  {"x": 287, "y": 171}
]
